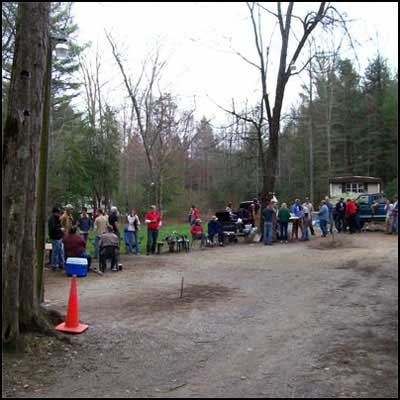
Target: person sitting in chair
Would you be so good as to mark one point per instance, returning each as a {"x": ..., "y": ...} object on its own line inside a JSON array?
[
  {"x": 197, "y": 232},
  {"x": 75, "y": 246},
  {"x": 109, "y": 248},
  {"x": 215, "y": 228}
]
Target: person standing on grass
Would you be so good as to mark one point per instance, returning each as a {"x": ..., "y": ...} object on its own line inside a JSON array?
[
  {"x": 67, "y": 219},
  {"x": 153, "y": 221},
  {"x": 84, "y": 224},
  {"x": 193, "y": 215},
  {"x": 56, "y": 235},
  {"x": 283, "y": 218},
  {"x": 100, "y": 228},
  {"x": 323, "y": 215},
  {"x": 133, "y": 230},
  {"x": 269, "y": 214}
]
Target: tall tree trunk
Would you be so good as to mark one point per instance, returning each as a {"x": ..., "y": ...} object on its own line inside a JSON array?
[{"x": 21, "y": 149}]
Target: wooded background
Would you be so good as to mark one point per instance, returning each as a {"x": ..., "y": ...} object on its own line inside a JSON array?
[{"x": 150, "y": 149}]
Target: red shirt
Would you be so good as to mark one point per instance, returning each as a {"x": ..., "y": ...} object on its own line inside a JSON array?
[
  {"x": 196, "y": 229},
  {"x": 195, "y": 213},
  {"x": 350, "y": 207},
  {"x": 155, "y": 219},
  {"x": 74, "y": 245}
]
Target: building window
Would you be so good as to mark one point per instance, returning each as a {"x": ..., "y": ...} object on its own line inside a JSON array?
[{"x": 355, "y": 187}]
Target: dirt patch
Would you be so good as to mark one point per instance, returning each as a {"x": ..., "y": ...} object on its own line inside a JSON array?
[
  {"x": 169, "y": 300},
  {"x": 363, "y": 267},
  {"x": 332, "y": 244}
]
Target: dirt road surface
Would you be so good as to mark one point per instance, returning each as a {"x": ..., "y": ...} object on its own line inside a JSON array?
[{"x": 297, "y": 320}]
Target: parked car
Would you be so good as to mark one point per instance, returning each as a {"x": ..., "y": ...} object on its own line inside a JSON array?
[{"x": 371, "y": 207}]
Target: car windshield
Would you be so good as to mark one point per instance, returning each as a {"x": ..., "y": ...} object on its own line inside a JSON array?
[{"x": 363, "y": 199}]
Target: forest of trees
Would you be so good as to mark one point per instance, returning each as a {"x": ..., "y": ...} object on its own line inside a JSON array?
[{"x": 150, "y": 149}]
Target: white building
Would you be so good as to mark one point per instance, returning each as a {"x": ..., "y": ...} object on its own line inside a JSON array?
[{"x": 354, "y": 184}]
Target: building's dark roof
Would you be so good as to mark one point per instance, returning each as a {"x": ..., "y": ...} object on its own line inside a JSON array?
[{"x": 355, "y": 179}]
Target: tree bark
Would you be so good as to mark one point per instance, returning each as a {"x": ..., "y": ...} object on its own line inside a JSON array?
[{"x": 20, "y": 159}]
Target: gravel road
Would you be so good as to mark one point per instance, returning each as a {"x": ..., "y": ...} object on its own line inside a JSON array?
[{"x": 296, "y": 320}]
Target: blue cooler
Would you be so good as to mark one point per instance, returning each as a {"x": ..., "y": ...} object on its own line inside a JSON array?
[{"x": 76, "y": 266}]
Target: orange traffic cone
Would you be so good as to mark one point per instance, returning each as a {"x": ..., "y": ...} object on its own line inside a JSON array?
[{"x": 71, "y": 323}]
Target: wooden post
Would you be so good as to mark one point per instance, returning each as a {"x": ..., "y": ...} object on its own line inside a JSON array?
[{"x": 182, "y": 287}]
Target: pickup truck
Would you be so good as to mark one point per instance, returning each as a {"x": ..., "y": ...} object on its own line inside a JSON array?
[{"x": 371, "y": 207}]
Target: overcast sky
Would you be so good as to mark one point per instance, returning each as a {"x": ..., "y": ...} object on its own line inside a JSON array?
[{"x": 199, "y": 40}]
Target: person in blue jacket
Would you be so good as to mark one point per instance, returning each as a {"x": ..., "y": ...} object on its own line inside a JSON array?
[
  {"x": 215, "y": 228},
  {"x": 323, "y": 215}
]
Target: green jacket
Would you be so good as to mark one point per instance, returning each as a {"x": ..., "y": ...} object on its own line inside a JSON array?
[{"x": 283, "y": 215}]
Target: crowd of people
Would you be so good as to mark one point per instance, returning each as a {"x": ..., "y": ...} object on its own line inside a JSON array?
[{"x": 66, "y": 242}]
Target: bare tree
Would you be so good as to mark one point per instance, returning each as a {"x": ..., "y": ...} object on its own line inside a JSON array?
[
  {"x": 156, "y": 118},
  {"x": 271, "y": 112}
]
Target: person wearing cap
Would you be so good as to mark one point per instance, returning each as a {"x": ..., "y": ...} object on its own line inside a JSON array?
[
  {"x": 153, "y": 221},
  {"x": 109, "y": 248},
  {"x": 197, "y": 232},
  {"x": 67, "y": 220},
  {"x": 56, "y": 235},
  {"x": 215, "y": 228}
]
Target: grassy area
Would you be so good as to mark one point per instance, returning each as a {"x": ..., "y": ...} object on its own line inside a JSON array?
[{"x": 166, "y": 229}]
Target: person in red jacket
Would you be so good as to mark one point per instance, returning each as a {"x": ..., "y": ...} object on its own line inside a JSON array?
[
  {"x": 75, "y": 246},
  {"x": 198, "y": 233},
  {"x": 153, "y": 221},
  {"x": 351, "y": 211}
]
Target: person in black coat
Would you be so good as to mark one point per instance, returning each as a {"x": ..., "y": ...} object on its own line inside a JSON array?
[
  {"x": 214, "y": 228},
  {"x": 56, "y": 234},
  {"x": 340, "y": 209}
]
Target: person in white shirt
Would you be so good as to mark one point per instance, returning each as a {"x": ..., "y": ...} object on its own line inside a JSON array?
[
  {"x": 307, "y": 205},
  {"x": 133, "y": 229},
  {"x": 394, "y": 227},
  {"x": 388, "y": 220}
]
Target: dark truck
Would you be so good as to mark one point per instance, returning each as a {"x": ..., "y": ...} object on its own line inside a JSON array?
[{"x": 371, "y": 207}]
